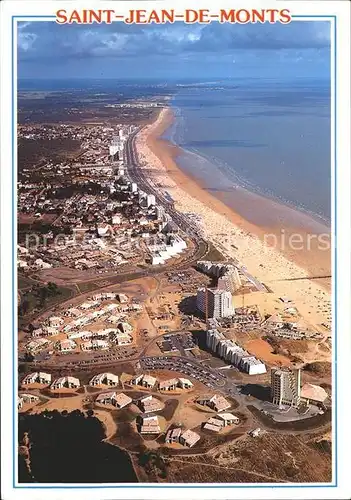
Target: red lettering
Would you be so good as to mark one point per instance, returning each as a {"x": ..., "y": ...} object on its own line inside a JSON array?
[
  {"x": 153, "y": 17},
  {"x": 272, "y": 13},
  {"x": 285, "y": 16},
  {"x": 243, "y": 19},
  {"x": 168, "y": 16},
  {"x": 92, "y": 16},
  {"x": 258, "y": 16},
  {"x": 191, "y": 16},
  {"x": 203, "y": 16},
  {"x": 74, "y": 17},
  {"x": 140, "y": 17},
  {"x": 108, "y": 13},
  {"x": 225, "y": 15},
  {"x": 61, "y": 17}
]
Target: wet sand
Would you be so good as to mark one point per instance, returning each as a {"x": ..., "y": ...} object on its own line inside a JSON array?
[{"x": 244, "y": 230}]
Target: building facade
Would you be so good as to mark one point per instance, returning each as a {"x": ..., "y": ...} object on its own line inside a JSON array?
[
  {"x": 285, "y": 386},
  {"x": 219, "y": 302}
]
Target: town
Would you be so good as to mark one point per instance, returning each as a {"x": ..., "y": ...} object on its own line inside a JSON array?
[{"x": 126, "y": 310}]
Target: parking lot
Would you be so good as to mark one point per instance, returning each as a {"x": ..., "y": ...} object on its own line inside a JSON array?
[
  {"x": 210, "y": 378},
  {"x": 180, "y": 342}
]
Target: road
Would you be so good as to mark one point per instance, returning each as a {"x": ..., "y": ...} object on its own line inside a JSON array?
[{"x": 136, "y": 174}]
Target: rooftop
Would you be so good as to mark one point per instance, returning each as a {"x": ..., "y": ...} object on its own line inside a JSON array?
[{"x": 314, "y": 392}]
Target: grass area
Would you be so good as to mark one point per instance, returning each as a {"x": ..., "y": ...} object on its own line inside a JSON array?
[
  {"x": 90, "y": 286},
  {"x": 24, "y": 282},
  {"x": 270, "y": 458},
  {"x": 41, "y": 297}
]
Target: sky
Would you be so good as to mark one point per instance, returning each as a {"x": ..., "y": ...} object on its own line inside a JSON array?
[{"x": 47, "y": 50}]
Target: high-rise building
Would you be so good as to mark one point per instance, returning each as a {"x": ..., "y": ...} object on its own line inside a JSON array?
[
  {"x": 150, "y": 200},
  {"x": 160, "y": 212},
  {"x": 227, "y": 274},
  {"x": 232, "y": 353},
  {"x": 213, "y": 338},
  {"x": 219, "y": 302},
  {"x": 285, "y": 386}
]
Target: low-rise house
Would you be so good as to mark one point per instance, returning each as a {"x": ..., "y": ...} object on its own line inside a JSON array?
[
  {"x": 149, "y": 424},
  {"x": 55, "y": 321},
  {"x": 110, "y": 308},
  {"x": 173, "y": 435},
  {"x": 95, "y": 345},
  {"x": 44, "y": 378},
  {"x": 213, "y": 426},
  {"x": 313, "y": 394},
  {"x": 106, "y": 332},
  {"x": 49, "y": 331},
  {"x": 85, "y": 335},
  {"x": 122, "y": 400},
  {"x": 216, "y": 402},
  {"x": 168, "y": 385},
  {"x": 74, "y": 312},
  {"x": 124, "y": 327},
  {"x": 65, "y": 382},
  {"x": 19, "y": 402},
  {"x": 29, "y": 379},
  {"x": 42, "y": 265},
  {"x": 107, "y": 398},
  {"x": 144, "y": 380},
  {"x": 97, "y": 314},
  {"x": 37, "y": 345},
  {"x": 175, "y": 383},
  {"x": 29, "y": 398},
  {"x": 123, "y": 339},
  {"x": 104, "y": 379},
  {"x": 185, "y": 383},
  {"x": 228, "y": 419},
  {"x": 66, "y": 345},
  {"x": 37, "y": 378},
  {"x": 122, "y": 297},
  {"x": 150, "y": 404},
  {"x": 38, "y": 332},
  {"x": 189, "y": 438},
  {"x": 112, "y": 398}
]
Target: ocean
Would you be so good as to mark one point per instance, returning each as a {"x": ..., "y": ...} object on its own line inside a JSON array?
[
  {"x": 238, "y": 136},
  {"x": 268, "y": 137}
]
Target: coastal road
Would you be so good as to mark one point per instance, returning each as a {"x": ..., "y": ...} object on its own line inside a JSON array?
[{"x": 137, "y": 175}]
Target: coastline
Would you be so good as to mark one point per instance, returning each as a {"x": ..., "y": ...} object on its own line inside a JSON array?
[{"x": 243, "y": 239}]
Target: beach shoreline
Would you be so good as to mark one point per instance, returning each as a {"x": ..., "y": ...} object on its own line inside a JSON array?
[{"x": 228, "y": 229}]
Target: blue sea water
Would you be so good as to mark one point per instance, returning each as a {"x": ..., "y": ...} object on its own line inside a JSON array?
[{"x": 271, "y": 137}]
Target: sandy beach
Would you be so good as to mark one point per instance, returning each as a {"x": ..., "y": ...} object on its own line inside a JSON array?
[{"x": 262, "y": 248}]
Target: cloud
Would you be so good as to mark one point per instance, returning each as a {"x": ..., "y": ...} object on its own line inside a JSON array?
[{"x": 48, "y": 40}]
